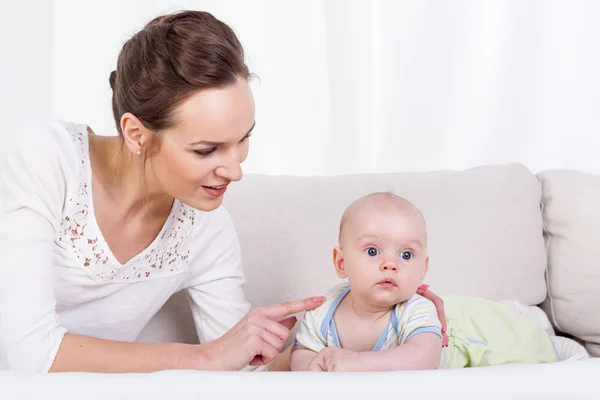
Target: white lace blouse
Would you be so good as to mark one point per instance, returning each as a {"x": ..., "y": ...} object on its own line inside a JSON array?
[{"x": 58, "y": 275}]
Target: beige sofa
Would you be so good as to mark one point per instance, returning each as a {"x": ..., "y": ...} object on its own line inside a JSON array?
[{"x": 498, "y": 232}]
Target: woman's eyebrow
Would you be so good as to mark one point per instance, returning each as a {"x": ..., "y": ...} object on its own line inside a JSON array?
[{"x": 209, "y": 143}]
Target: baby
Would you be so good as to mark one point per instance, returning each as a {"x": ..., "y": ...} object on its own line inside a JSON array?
[{"x": 378, "y": 322}]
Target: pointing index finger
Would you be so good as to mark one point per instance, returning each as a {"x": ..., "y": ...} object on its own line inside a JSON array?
[{"x": 281, "y": 310}]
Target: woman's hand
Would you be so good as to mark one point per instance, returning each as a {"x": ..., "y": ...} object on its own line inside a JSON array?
[
  {"x": 257, "y": 338},
  {"x": 424, "y": 291}
]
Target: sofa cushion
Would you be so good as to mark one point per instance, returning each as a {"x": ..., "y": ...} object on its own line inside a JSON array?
[{"x": 571, "y": 212}]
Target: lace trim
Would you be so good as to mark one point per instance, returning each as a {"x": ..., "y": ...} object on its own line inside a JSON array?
[{"x": 167, "y": 254}]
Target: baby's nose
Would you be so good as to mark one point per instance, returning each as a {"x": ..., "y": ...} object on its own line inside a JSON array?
[{"x": 389, "y": 266}]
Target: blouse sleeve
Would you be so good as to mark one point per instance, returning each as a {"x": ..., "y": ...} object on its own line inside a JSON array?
[{"x": 35, "y": 171}]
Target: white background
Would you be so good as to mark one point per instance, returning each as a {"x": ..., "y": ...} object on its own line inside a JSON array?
[{"x": 346, "y": 86}]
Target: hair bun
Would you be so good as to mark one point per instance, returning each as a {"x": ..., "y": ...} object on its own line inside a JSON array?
[{"x": 112, "y": 78}]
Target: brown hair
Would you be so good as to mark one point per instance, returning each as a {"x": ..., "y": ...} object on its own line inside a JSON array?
[{"x": 172, "y": 57}]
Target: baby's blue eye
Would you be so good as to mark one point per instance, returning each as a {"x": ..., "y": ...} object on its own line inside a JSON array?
[
  {"x": 372, "y": 251},
  {"x": 406, "y": 255}
]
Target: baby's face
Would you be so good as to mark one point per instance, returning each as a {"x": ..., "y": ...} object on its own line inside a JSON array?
[{"x": 384, "y": 255}]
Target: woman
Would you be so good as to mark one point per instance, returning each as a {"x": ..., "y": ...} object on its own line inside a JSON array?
[{"x": 96, "y": 233}]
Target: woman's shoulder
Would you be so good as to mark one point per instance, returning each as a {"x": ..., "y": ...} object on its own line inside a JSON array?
[
  {"x": 40, "y": 169},
  {"x": 46, "y": 159},
  {"x": 42, "y": 143}
]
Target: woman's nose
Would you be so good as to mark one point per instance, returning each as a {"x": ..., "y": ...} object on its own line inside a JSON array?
[{"x": 231, "y": 169}]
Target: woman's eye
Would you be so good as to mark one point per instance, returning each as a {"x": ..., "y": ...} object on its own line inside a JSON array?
[
  {"x": 406, "y": 255},
  {"x": 372, "y": 251},
  {"x": 205, "y": 152}
]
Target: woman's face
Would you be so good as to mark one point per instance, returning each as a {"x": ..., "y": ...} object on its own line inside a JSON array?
[{"x": 201, "y": 154}]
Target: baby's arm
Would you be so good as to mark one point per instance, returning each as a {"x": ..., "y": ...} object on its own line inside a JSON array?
[
  {"x": 422, "y": 351},
  {"x": 301, "y": 358}
]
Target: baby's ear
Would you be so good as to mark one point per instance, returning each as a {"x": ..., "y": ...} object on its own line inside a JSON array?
[{"x": 338, "y": 263}]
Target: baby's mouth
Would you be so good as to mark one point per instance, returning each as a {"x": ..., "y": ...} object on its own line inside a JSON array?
[{"x": 387, "y": 282}]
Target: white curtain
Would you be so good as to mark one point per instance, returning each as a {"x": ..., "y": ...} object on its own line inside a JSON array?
[
  {"x": 352, "y": 86},
  {"x": 25, "y": 60}
]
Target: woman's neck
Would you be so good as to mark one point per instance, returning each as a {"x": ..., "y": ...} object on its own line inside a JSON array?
[{"x": 126, "y": 180}]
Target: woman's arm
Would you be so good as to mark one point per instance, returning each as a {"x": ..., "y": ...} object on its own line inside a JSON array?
[
  {"x": 255, "y": 340},
  {"x": 86, "y": 354}
]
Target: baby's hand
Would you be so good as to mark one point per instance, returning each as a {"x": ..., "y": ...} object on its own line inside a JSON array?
[{"x": 334, "y": 359}]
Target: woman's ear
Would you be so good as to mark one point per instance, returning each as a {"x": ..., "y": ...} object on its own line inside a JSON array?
[
  {"x": 338, "y": 262},
  {"x": 135, "y": 134}
]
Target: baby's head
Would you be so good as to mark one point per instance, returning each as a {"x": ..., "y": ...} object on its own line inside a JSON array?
[{"x": 382, "y": 249}]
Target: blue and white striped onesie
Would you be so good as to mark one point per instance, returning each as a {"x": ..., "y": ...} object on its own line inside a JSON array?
[{"x": 414, "y": 316}]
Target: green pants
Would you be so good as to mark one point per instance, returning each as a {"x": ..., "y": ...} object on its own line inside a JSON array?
[{"x": 483, "y": 333}]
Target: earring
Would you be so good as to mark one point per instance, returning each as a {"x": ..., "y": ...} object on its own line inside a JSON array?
[{"x": 139, "y": 152}]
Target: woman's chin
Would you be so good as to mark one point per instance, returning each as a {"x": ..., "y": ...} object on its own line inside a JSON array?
[{"x": 203, "y": 204}]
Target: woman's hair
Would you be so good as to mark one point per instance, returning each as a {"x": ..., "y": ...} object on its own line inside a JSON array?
[{"x": 170, "y": 59}]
